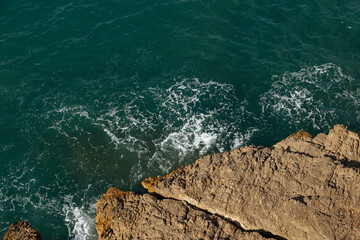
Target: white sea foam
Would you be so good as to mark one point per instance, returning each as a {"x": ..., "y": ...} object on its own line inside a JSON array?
[
  {"x": 312, "y": 97},
  {"x": 78, "y": 221},
  {"x": 21, "y": 193},
  {"x": 79, "y": 218},
  {"x": 195, "y": 122},
  {"x": 243, "y": 139},
  {"x": 114, "y": 139},
  {"x": 191, "y": 136}
]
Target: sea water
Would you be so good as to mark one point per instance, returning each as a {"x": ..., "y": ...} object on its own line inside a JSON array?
[{"x": 95, "y": 94}]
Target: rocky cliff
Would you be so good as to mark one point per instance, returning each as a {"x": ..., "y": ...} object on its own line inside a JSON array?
[{"x": 300, "y": 188}]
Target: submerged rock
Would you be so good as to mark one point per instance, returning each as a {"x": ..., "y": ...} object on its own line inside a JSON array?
[
  {"x": 21, "y": 231},
  {"x": 300, "y": 188}
]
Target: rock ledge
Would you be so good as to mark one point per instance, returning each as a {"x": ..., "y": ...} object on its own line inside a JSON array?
[{"x": 300, "y": 188}]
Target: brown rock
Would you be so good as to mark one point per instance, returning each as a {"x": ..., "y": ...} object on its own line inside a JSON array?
[
  {"x": 126, "y": 215},
  {"x": 21, "y": 231},
  {"x": 301, "y": 188}
]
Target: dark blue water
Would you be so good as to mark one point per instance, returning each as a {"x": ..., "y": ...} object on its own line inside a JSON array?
[{"x": 96, "y": 94}]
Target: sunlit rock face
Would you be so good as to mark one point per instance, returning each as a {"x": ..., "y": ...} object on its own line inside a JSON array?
[{"x": 300, "y": 188}]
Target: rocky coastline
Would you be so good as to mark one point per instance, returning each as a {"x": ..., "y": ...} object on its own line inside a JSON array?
[{"x": 303, "y": 187}]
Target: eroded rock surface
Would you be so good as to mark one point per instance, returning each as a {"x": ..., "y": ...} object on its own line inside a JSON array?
[
  {"x": 300, "y": 188},
  {"x": 126, "y": 215},
  {"x": 21, "y": 231}
]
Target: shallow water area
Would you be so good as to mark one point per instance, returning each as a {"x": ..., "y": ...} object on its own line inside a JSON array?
[{"x": 97, "y": 94}]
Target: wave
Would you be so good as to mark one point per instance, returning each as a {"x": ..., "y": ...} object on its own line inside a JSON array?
[
  {"x": 79, "y": 221},
  {"x": 24, "y": 195},
  {"x": 314, "y": 97},
  {"x": 185, "y": 120}
]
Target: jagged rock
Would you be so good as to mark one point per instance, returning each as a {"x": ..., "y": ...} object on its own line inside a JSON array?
[
  {"x": 126, "y": 215},
  {"x": 301, "y": 188},
  {"x": 21, "y": 231}
]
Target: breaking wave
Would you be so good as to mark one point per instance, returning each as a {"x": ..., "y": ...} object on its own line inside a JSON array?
[{"x": 79, "y": 220}]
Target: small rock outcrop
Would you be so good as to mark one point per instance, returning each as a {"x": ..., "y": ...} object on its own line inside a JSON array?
[
  {"x": 300, "y": 188},
  {"x": 21, "y": 231}
]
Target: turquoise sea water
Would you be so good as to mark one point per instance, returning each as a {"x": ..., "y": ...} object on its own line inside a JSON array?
[{"x": 96, "y": 94}]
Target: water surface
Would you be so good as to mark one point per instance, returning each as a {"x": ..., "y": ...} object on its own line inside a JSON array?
[{"x": 96, "y": 94}]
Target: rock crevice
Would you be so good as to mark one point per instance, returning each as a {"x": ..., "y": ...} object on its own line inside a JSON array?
[
  {"x": 265, "y": 234},
  {"x": 148, "y": 217}
]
